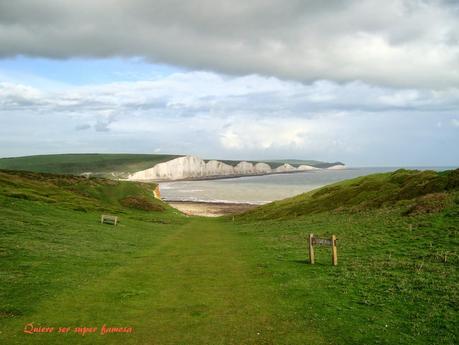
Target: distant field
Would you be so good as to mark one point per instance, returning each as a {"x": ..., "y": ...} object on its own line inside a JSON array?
[
  {"x": 108, "y": 165},
  {"x": 192, "y": 280}
]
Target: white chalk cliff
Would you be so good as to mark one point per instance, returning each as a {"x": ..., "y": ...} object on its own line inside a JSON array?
[
  {"x": 194, "y": 167},
  {"x": 337, "y": 167}
]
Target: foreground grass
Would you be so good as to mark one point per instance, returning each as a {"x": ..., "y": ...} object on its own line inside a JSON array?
[
  {"x": 174, "y": 281},
  {"x": 393, "y": 285},
  {"x": 397, "y": 280},
  {"x": 189, "y": 280}
]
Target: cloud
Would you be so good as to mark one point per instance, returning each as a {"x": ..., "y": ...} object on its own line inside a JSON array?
[
  {"x": 249, "y": 117},
  {"x": 195, "y": 93},
  {"x": 403, "y": 43},
  {"x": 455, "y": 122},
  {"x": 18, "y": 95},
  {"x": 265, "y": 133},
  {"x": 83, "y": 127}
]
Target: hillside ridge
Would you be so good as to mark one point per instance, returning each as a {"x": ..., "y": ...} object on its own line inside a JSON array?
[
  {"x": 414, "y": 190},
  {"x": 80, "y": 193}
]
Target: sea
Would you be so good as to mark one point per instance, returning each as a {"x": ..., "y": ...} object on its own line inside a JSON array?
[{"x": 266, "y": 188}]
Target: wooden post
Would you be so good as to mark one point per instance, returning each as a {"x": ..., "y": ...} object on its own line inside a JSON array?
[
  {"x": 334, "y": 251},
  {"x": 102, "y": 219},
  {"x": 311, "y": 249}
]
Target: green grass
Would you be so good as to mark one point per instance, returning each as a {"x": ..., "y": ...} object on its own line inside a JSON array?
[
  {"x": 79, "y": 193},
  {"x": 402, "y": 188},
  {"x": 172, "y": 278},
  {"x": 391, "y": 285},
  {"x": 190, "y": 280},
  {"x": 106, "y": 165}
]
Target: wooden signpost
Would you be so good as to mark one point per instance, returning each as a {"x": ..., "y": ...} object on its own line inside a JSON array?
[
  {"x": 316, "y": 241},
  {"x": 107, "y": 219}
]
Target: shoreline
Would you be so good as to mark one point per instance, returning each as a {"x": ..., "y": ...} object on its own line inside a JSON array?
[{"x": 209, "y": 209}]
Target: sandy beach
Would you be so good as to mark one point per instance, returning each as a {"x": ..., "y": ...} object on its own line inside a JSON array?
[{"x": 209, "y": 209}]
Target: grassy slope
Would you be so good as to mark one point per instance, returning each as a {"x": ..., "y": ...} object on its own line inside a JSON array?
[
  {"x": 201, "y": 281},
  {"x": 396, "y": 282},
  {"x": 99, "y": 164},
  {"x": 79, "y": 193},
  {"x": 367, "y": 192}
]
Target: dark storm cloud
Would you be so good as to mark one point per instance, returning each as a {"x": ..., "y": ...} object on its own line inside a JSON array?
[{"x": 391, "y": 42}]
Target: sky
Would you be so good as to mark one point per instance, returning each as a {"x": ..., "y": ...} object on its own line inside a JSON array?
[{"x": 368, "y": 83}]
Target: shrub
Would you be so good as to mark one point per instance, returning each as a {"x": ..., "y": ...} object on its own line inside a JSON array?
[{"x": 141, "y": 203}]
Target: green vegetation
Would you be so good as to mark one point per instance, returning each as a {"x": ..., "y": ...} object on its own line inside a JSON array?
[
  {"x": 402, "y": 188},
  {"x": 190, "y": 280},
  {"x": 396, "y": 282},
  {"x": 98, "y": 164},
  {"x": 79, "y": 193}
]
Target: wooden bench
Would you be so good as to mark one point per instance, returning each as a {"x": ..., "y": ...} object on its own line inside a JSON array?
[{"x": 108, "y": 219}]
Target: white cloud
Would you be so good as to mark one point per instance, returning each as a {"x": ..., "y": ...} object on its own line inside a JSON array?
[
  {"x": 264, "y": 134},
  {"x": 191, "y": 93},
  {"x": 16, "y": 95},
  {"x": 407, "y": 43},
  {"x": 400, "y": 98},
  {"x": 216, "y": 116}
]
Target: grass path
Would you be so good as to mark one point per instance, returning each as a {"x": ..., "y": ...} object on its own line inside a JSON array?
[{"x": 198, "y": 285}]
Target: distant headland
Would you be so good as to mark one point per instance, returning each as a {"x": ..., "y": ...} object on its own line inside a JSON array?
[
  {"x": 193, "y": 167},
  {"x": 161, "y": 167}
]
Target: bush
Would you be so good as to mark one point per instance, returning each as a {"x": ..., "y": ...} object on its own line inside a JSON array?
[
  {"x": 430, "y": 203},
  {"x": 141, "y": 203}
]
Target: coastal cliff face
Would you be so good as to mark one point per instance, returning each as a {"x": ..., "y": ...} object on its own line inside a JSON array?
[
  {"x": 195, "y": 167},
  {"x": 337, "y": 167}
]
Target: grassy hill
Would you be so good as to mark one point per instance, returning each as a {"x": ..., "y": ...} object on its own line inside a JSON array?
[
  {"x": 79, "y": 193},
  {"x": 106, "y": 165},
  {"x": 404, "y": 188},
  {"x": 177, "y": 279},
  {"x": 398, "y": 254}
]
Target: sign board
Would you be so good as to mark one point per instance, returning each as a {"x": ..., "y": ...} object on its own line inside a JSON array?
[
  {"x": 322, "y": 241},
  {"x": 329, "y": 242}
]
